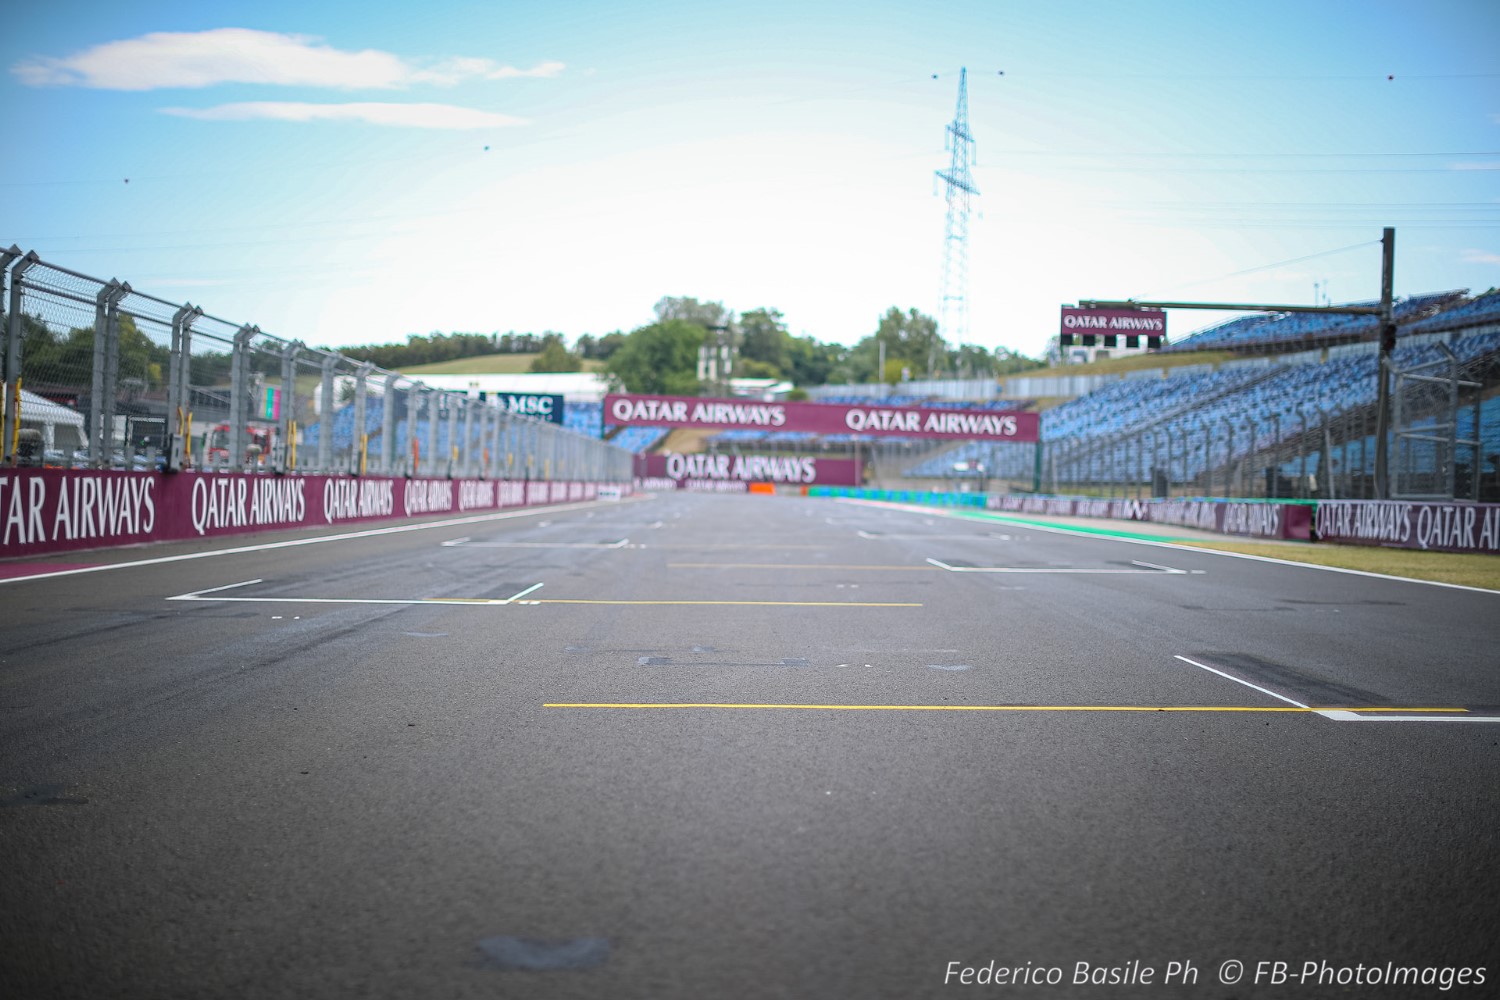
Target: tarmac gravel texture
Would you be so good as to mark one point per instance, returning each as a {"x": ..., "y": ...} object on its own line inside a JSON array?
[{"x": 438, "y": 763}]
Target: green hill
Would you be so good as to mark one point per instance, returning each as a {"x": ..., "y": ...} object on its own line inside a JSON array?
[
  {"x": 488, "y": 364},
  {"x": 1130, "y": 362}
]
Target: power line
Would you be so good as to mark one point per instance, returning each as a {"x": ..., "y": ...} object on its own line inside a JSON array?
[
  {"x": 1265, "y": 267},
  {"x": 1266, "y": 170},
  {"x": 1094, "y": 154}
]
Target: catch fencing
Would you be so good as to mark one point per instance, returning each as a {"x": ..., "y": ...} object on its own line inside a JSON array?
[
  {"x": 1444, "y": 437},
  {"x": 100, "y": 375}
]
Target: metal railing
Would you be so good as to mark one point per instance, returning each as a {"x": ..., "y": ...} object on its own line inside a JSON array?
[
  {"x": 100, "y": 375},
  {"x": 1445, "y": 433}
]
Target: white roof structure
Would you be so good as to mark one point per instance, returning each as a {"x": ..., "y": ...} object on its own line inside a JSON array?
[
  {"x": 37, "y": 410},
  {"x": 577, "y": 387}
]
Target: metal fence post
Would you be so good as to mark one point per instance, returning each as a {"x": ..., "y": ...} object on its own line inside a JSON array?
[
  {"x": 10, "y": 421},
  {"x": 288, "y": 458},
  {"x": 239, "y": 397},
  {"x": 388, "y": 425},
  {"x": 505, "y": 444},
  {"x": 326, "y": 368},
  {"x": 112, "y": 367},
  {"x": 98, "y": 430},
  {"x": 452, "y": 402},
  {"x": 469, "y": 449},
  {"x": 359, "y": 454},
  {"x": 178, "y": 377},
  {"x": 1229, "y": 458},
  {"x": 434, "y": 415},
  {"x": 1273, "y": 482}
]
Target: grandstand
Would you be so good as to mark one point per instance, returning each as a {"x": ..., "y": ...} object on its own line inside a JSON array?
[
  {"x": 1293, "y": 424},
  {"x": 1279, "y": 332},
  {"x": 1293, "y": 416},
  {"x": 345, "y": 431},
  {"x": 1480, "y": 311}
]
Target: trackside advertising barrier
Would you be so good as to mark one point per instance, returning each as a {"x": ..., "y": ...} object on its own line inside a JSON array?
[
  {"x": 1433, "y": 526},
  {"x": 1255, "y": 519},
  {"x": 56, "y": 510},
  {"x": 734, "y": 473},
  {"x": 821, "y": 418},
  {"x": 1438, "y": 527}
]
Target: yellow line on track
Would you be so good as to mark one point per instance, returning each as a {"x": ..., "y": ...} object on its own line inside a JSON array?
[
  {"x": 770, "y": 604},
  {"x": 1279, "y": 709}
]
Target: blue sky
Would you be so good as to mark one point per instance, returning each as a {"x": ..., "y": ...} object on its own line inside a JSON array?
[{"x": 347, "y": 173}]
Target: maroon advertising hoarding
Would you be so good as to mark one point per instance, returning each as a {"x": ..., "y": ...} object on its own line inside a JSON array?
[
  {"x": 1441, "y": 527},
  {"x": 1119, "y": 322},
  {"x": 56, "y": 510},
  {"x": 1228, "y": 517},
  {"x": 694, "y": 471},
  {"x": 820, "y": 418}
]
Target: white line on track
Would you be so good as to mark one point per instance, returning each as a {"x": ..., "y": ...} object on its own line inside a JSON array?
[
  {"x": 293, "y": 543},
  {"x": 462, "y": 602},
  {"x": 1340, "y": 715},
  {"x": 1101, "y": 571},
  {"x": 199, "y": 595},
  {"x": 1164, "y": 569},
  {"x": 1176, "y": 546},
  {"x": 512, "y": 597},
  {"x": 1237, "y": 680},
  {"x": 214, "y": 590},
  {"x": 464, "y": 543}
]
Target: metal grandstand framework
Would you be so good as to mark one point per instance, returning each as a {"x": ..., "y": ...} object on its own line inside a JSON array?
[
  {"x": 1385, "y": 312},
  {"x": 1434, "y": 459}
]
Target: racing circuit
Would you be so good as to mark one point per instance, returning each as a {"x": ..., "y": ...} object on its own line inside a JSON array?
[{"x": 687, "y": 745}]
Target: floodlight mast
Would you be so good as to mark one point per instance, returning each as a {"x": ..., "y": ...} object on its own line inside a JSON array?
[{"x": 1385, "y": 311}]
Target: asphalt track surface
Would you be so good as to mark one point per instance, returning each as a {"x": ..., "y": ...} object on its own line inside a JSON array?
[{"x": 437, "y": 763}]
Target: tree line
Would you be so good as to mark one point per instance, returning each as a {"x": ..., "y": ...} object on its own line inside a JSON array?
[
  {"x": 434, "y": 348},
  {"x": 662, "y": 357},
  {"x": 659, "y": 357}
]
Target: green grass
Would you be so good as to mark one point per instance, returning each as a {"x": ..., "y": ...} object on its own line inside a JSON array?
[
  {"x": 1463, "y": 568},
  {"x": 488, "y": 364}
]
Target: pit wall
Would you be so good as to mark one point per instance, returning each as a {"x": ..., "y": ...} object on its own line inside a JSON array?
[
  {"x": 1433, "y": 526},
  {"x": 57, "y": 510}
]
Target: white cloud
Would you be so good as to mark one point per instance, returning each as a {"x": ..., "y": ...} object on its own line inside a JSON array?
[
  {"x": 1474, "y": 166},
  {"x": 433, "y": 116},
  {"x": 1481, "y": 257},
  {"x": 243, "y": 55},
  {"x": 545, "y": 70}
]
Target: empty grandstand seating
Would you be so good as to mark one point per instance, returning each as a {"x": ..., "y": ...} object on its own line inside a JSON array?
[
  {"x": 1481, "y": 310},
  {"x": 638, "y": 439},
  {"x": 584, "y": 418},
  {"x": 1267, "y": 331},
  {"x": 1243, "y": 421},
  {"x": 345, "y": 433}
]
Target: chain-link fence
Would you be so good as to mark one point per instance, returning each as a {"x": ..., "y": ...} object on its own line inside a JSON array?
[
  {"x": 1437, "y": 417},
  {"x": 1290, "y": 432},
  {"x": 101, "y": 375}
]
